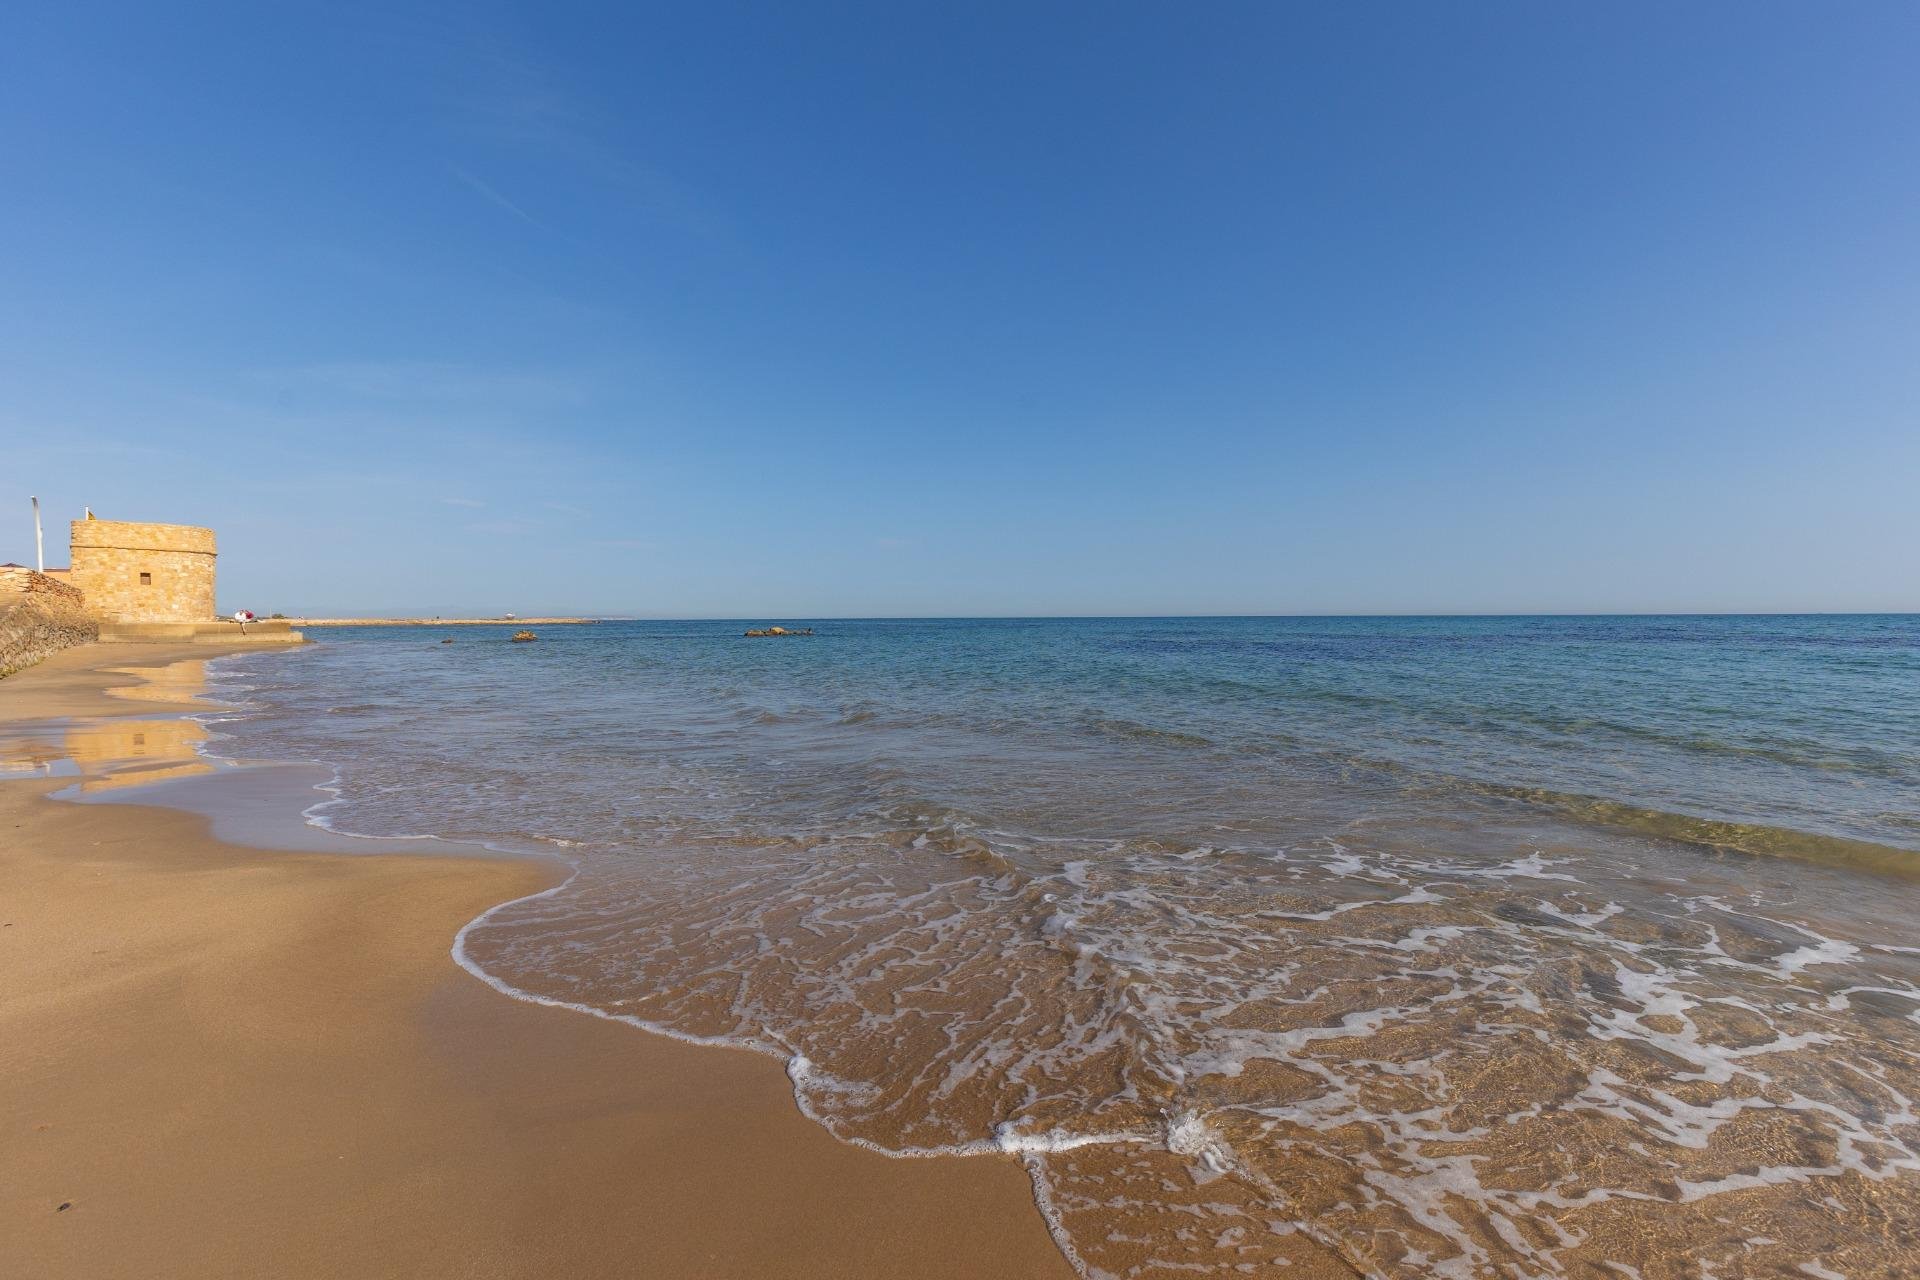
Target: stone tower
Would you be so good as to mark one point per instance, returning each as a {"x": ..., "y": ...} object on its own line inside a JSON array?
[{"x": 134, "y": 572}]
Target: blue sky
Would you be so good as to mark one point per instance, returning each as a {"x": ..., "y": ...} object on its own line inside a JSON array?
[{"x": 796, "y": 310}]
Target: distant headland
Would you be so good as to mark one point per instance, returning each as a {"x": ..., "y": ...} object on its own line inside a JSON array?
[{"x": 504, "y": 620}]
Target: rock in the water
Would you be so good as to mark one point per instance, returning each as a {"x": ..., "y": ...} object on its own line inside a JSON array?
[{"x": 521, "y": 637}]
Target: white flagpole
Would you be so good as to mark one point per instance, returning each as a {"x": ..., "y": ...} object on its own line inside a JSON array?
[{"x": 39, "y": 542}]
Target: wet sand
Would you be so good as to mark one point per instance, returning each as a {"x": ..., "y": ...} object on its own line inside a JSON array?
[{"x": 225, "y": 1061}]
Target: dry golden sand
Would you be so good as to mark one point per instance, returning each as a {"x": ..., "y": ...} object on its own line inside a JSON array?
[{"x": 230, "y": 1062}]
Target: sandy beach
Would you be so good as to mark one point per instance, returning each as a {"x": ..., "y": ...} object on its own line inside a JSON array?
[{"x": 228, "y": 1061}]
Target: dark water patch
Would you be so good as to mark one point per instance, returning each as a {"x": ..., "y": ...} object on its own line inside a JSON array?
[
  {"x": 1133, "y": 730},
  {"x": 1752, "y": 839}
]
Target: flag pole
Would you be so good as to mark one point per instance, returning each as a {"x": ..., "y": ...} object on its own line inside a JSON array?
[{"x": 39, "y": 541}]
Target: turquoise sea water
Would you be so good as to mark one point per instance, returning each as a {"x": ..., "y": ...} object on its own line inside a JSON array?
[
  {"x": 1806, "y": 724},
  {"x": 1467, "y": 946}
]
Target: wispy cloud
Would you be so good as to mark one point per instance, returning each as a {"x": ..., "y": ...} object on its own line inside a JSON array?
[
  {"x": 503, "y": 528},
  {"x": 463, "y": 502},
  {"x": 510, "y": 99},
  {"x": 493, "y": 195},
  {"x": 567, "y": 509}
]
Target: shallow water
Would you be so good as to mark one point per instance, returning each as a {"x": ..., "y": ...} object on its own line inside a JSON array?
[{"x": 1464, "y": 947}]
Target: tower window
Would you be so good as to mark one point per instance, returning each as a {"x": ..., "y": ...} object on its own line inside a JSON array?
[{"x": 146, "y": 579}]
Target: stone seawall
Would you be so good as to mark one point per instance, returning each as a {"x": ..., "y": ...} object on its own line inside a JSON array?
[{"x": 38, "y": 618}]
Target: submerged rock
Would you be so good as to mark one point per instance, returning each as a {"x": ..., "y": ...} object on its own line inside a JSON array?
[
  {"x": 781, "y": 631},
  {"x": 521, "y": 637}
]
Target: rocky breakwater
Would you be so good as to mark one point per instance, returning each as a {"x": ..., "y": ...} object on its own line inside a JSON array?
[{"x": 39, "y": 616}]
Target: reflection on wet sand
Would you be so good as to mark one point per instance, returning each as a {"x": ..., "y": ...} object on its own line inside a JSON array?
[
  {"x": 107, "y": 754},
  {"x": 27, "y": 756},
  {"x": 111, "y": 752},
  {"x": 128, "y": 753}
]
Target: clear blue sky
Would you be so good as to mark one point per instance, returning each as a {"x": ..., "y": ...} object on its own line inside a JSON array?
[{"x": 803, "y": 309}]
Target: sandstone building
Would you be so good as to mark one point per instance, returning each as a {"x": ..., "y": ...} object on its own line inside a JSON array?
[
  {"x": 133, "y": 572},
  {"x": 128, "y": 582}
]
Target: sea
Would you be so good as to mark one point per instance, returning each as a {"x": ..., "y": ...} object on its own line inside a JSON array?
[{"x": 1392, "y": 947}]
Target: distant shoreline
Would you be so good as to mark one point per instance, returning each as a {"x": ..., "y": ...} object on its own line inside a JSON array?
[{"x": 441, "y": 622}]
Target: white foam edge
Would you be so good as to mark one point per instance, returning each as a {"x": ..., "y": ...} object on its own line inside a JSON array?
[{"x": 1028, "y": 1147}]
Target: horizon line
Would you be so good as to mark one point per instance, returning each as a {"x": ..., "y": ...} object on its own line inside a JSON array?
[{"x": 1127, "y": 617}]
